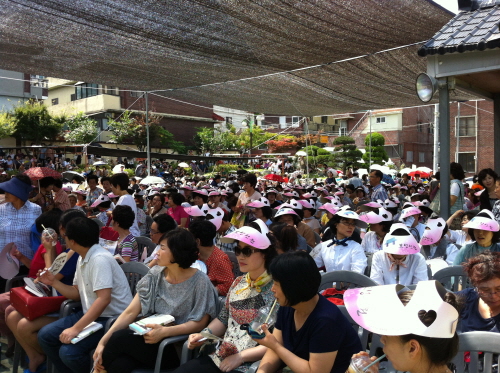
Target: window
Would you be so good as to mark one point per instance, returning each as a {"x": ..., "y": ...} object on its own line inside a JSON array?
[
  {"x": 343, "y": 128},
  {"x": 55, "y": 101},
  {"x": 135, "y": 93},
  {"x": 421, "y": 157},
  {"x": 229, "y": 120},
  {"x": 295, "y": 121},
  {"x": 324, "y": 119},
  {"x": 394, "y": 151},
  {"x": 409, "y": 156},
  {"x": 87, "y": 90},
  {"x": 380, "y": 120},
  {"x": 103, "y": 124},
  {"x": 431, "y": 128},
  {"x": 420, "y": 127},
  {"x": 110, "y": 90},
  {"x": 467, "y": 126},
  {"x": 468, "y": 161}
]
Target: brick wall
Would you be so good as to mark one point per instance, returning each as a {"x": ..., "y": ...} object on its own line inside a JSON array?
[
  {"x": 183, "y": 130},
  {"x": 482, "y": 145}
]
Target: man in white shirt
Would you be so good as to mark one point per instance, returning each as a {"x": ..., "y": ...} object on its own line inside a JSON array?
[
  {"x": 101, "y": 286},
  {"x": 119, "y": 186}
]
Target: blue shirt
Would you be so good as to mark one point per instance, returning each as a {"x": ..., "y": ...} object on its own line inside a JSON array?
[
  {"x": 470, "y": 318},
  {"x": 325, "y": 330},
  {"x": 379, "y": 192}
]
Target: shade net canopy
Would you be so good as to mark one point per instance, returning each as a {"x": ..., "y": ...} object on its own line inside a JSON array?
[{"x": 179, "y": 47}]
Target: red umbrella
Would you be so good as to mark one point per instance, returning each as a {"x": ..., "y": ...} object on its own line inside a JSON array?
[
  {"x": 37, "y": 173},
  {"x": 274, "y": 177},
  {"x": 416, "y": 172}
]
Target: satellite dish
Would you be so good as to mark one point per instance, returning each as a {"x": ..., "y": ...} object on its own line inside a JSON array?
[{"x": 426, "y": 86}]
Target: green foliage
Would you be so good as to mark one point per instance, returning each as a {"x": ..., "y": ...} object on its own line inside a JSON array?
[
  {"x": 377, "y": 150},
  {"x": 346, "y": 153},
  {"x": 7, "y": 125},
  {"x": 167, "y": 140},
  {"x": 123, "y": 129},
  {"x": 317, "y": 156},
  {"x": 225, "y": 168},
  {"x": 34, "y": 123},
  {"x": 215, "y": 141},
  {"x": 259, "y": 136},
  {"x": 82, "y": 129}
]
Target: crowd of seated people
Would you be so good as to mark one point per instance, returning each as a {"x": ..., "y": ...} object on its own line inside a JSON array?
[{"x": 204, "y": 236}]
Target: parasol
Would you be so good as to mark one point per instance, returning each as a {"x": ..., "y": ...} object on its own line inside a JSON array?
[{"x": 37, "y": 173}]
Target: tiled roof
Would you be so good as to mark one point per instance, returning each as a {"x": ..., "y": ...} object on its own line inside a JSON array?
[{"x": 467, "y": 31}]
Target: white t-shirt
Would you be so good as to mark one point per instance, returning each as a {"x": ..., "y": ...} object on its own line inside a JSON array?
[
  {"x": 455, "y": 189},
  {"x": 128, "y": 200}
]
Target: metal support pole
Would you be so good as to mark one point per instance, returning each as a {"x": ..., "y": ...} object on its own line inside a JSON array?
[
  {"x": 457, "y": 133},
  {"x": 370, "y": 161},
  {"x": 148, "y": 149},
  {"x": 435, "y": 164},
  {"x": 444, "y": 156}
]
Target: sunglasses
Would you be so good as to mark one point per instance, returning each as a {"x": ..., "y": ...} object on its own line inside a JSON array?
[{"x": 245, "y": 251}]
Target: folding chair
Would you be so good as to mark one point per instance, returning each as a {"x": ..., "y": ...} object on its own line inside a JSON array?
[
  {"x": 453, "y": 278},
  {"x": 345, "y": 280}
]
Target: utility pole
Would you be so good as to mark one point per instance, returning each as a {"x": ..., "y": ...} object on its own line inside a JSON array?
[{"x": 148, "y": 150}]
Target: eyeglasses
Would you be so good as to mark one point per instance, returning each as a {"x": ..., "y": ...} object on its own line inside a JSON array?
[
  {"x": 348, "y": 223},
  {"x": 152, "y": 231},
  {"x": 245, "y": 251},
  {"x": 486, "y": 293}
]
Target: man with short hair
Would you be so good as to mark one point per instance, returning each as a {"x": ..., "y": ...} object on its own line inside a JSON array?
[
  {"x": 162, "y": 224},
  {"x": 61, "y": 200},
  {"x": 355, "y": 180},
  {"x": 378, "y": 190},
  {"x": 101, "y": 286}
]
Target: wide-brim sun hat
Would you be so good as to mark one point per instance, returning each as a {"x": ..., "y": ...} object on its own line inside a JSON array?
[
  {"x": 203, "y": 192},
  {"x": 101, "y": 199},
  {"x": 484, "y": 221},
  {"x": 409, "y": 211},
  {"x": 17, "y": 188},
  {"x": 307, "y": 204},
  {"x": 433, "y": 231},
  {"x": 332, "y": 209},
  {"x": 215, "y": 216},
  {"x": 373, "y": 217},
  {"x": 285, "y": 211},
  {"x": 248, "y": 235},
  {"x": 400, "y": 241},
  {"x": 259, "y": 203},
  {"x": 379, "y": 310}
]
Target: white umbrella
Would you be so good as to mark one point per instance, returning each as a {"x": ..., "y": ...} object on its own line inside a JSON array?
[
  {"x": 152, "y": 180},
  {"x": 100, "y": 163},
  {"x": 427, "y": 170},
  {"x": 301, "y": 153},
  {"x": 183, "y": 164},
  {"x": 118, "y": 168},
  {"x": 405, "y": 170}
]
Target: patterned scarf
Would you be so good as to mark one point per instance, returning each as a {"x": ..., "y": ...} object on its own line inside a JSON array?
[
  {"x": 342, "y": 242},
  {"x": 262, "y": 280},
  {"x": 396, "y": 262}
]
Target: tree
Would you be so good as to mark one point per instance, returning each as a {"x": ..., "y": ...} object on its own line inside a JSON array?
[
  {"x": 259, "y": 136},
  {"x": 213, "y": 140},
  {"x": 7, "y": 125},
  {"x": 132, "y": 128},
  {"x": 167, "y": 140},
  {"x": 34, "y": 123},
  {"x": 346, "y": 153},
  {"x": 317, "y": 156},
  {"x": 282, "y": 143},
  {"x": 81, "y": 129},
  {"x": 377, "y": 149}
]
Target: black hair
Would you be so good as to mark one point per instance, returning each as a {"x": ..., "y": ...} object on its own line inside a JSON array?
[
  {"x": 177, "y": 198},
  {"x": 439, "y": 351},
  {"x": 297, "y": 289},
  {"x": 386, "y": 226},
  {"x": 203, "y": 230},
  {"x": 332, "y": 223},
  {"x": 311, "y": 210},
  {"x": 270, "y": 253},
  {"x": 46, "y": 181},
  {"x": 216, "y": 177},
  {"x": 58, "y": 183},
  {"x": 457, "y": 171},
  {"x": 378, "y": 173},
  {"x": 93, "y": 177},
  {"x": 183, "y": 247},
  {"x": 161, "y": 196},
  {"x": 296, "y": 219},
  {"x": 202, "y": 196},
  {"x": 120, "y": 180},
  {"x": 124, "y": 216},
  {"x": 24, "y": 178},
  {"x": 105, "y": 204},
  {"x": 250, "y": 178},
  {"x": 470, "y": 214},
  {"x": 485, "y": 172},
  {"x": 83, "y": 231},
  {"x": 495, "y": 239},
  {"x": 69, "y": 215},
  {"x": 267, "y": 212},
  {"x": 49, "y": 219},
  {"x": 437, "y": 175},
  {"x": 105, "y": 178},
  {"x": 165, "y": 223},
  {"x": 286, "y": 235}
]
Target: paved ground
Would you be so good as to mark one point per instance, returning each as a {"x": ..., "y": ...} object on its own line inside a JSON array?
[{"x": 5, "y": 364}]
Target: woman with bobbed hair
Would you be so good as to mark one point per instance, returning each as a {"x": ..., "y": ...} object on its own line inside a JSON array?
[
  {"x": 487, "y": 178},
  {"x": 173, "y": 288},
  {"x": 481, "y": 304},
  {"x": 306, "y": 321},
  {"x": 248, "y": 293},
  {"x": 416, "y": 343},
  {"x": 485, "y": 231}
]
